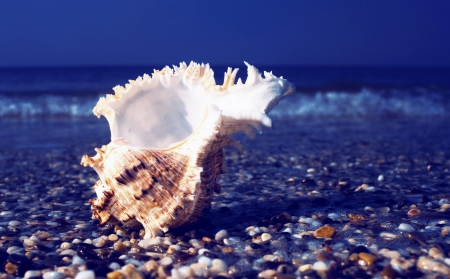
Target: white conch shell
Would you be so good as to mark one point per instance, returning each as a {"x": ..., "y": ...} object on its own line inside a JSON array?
[{"x": 167, "y": 137}]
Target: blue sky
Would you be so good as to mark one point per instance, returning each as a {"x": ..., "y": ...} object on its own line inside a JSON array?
[{"x": 119, "y": 32}]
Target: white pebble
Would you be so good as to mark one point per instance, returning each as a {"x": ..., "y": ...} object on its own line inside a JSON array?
[
  {"x": 205, "y": 260},
  {"x": 287, "y": 230},
  {"x": 219, "y": 265},
  {"x": 114, "y": 266},
  {"x": 175, "y": 274},
  {"x": 186, "y": 272},
  {"x": 380, "y": 177},
  {"x": 333, "y": 216},
  {"x": 306, "y": 220},
  {"x": 98, "y": 242},
  {"x": 32, "y": 273},
  {"x": 166, "y": 261},
  {"x": 443, "y": 201},
  {"x": 65, "y": 245},
  {"x": 85, "y": 274},
  {"x": 29, "y": 242},
  {"x": 320, "y": 266},
  {"x": 265, "y": 237},
  {"x": 53, "y": 275},
  {"x": 221, "y": 235},
  {"x": 14, "y": 223},
  {"x": 76, "y": 260},
  {"x": 406, "y": 227},
  {"x": 76, "y": 241},
  {"x": 145, "y": 243},
  {"x": 52, "y": 224},
  {"x": 88, "y": 241},
  {"x": 316, "y": 224},
  {"x": 14, "y": 250},
  {"x": 6, "y": 214}
]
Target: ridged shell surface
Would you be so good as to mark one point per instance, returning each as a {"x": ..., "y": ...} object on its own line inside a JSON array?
[{"x": 167, "y": 137}]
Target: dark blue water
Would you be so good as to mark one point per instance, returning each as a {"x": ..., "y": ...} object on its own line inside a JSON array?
[{"x": 321, "y": 91}]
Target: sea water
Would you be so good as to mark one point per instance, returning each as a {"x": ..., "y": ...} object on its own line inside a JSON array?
[{"x": 72, "y": 92}]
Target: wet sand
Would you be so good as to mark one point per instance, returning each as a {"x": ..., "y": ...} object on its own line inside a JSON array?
[{"x": 333, "y": 198}]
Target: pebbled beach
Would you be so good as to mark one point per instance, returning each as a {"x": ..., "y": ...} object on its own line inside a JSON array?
[{"x": 313, "y": 198}]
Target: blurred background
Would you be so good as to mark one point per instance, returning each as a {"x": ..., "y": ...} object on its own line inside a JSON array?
[{"x": 347, "y": 58}]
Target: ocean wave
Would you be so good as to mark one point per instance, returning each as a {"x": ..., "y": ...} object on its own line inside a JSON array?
[{"x": 364, "y": 103}]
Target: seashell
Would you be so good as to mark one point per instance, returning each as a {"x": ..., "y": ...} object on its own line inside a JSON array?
[{"x": 167, "y": 137}]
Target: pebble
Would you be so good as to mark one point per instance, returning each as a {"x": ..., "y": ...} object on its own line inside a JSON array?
[
  {"x": 65, "y": 245},
  {"x": 119, "y": 246},
  {"x": 205, "y": 260},
  {"x": 186, "y": 272},
  {"x": 320, "y": 266},
  {"x": 389, "y": 254},
  {"x": 113, "y": 237},
  {"x": 267, "y": 274},
  {"x": 14, "y": 223},
  {"x": 436, "y": 254},
  {"x": 406, "y": 227},
  {"x": 32, "y": 273},
  {"x": 221, "y": 235},
  {"x": 265, "y": 237},
  {"x": 14, "y": 250},
  {"x": 219, "y": 265},
  {"x": 369, "y": 259},
  {"x": 431, "y": 265},
  {"x": 166, "y": 261},
  {"x": 324, "y": 232},
  {"x": 6, "y": 214},
  {"x": 130, "y": 272},
  {"x": 53, "y": 275},
  {"x": 389, "y": 273},
  {"x": 115, "y": 275},
  {"x": 85, "y": 274}
]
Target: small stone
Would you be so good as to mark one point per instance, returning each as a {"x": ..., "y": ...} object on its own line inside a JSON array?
[
  {"x": 414, "y": 212},
  {"x": 166, "y": 261},
  {"x": 85, "y": 274},
  {"x": 32, "y": 273},
  {"x": 445, "y": 230},
  {"x": 406, "y": 227},
  {"x": 11, "y": 268},
  {"x": 445, "y": 206},
  {"x": 98, "y": 242},
  {"x": 324, "y": 232},
  {"x": 43, "y": 235},
  {"x": 389, "y": 254},
  {"x": 221, "y": 235},
  {"x": 119, "y": 246},
  {"x": 320, "y": 266},
  {"x": 115, "y": 275},
  {"x": 53, "y": 275},
  {"x": 369, "y": 259},
  {"x": 130, "y": 272},
  {"x": 389, "y": 273},
  {"x": 306, "y": 268},
  {"x": 186, "y": 272},
  {"x": 436, "y": 254},
  {"x": 267, "y": 274},
  {"x": 65, "y": 245},
  {"x": 205, "y": 260},
  {"x": 113, "y": 237},
  {"x": 219, "y": 265},
  {"x": 265, "y": 237},
  {"x": 227, "y": 250},
  {"x": 431, "y": 265},
  {"x": 380, "y": 178},
  {"x": 14, "y": 223}
]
